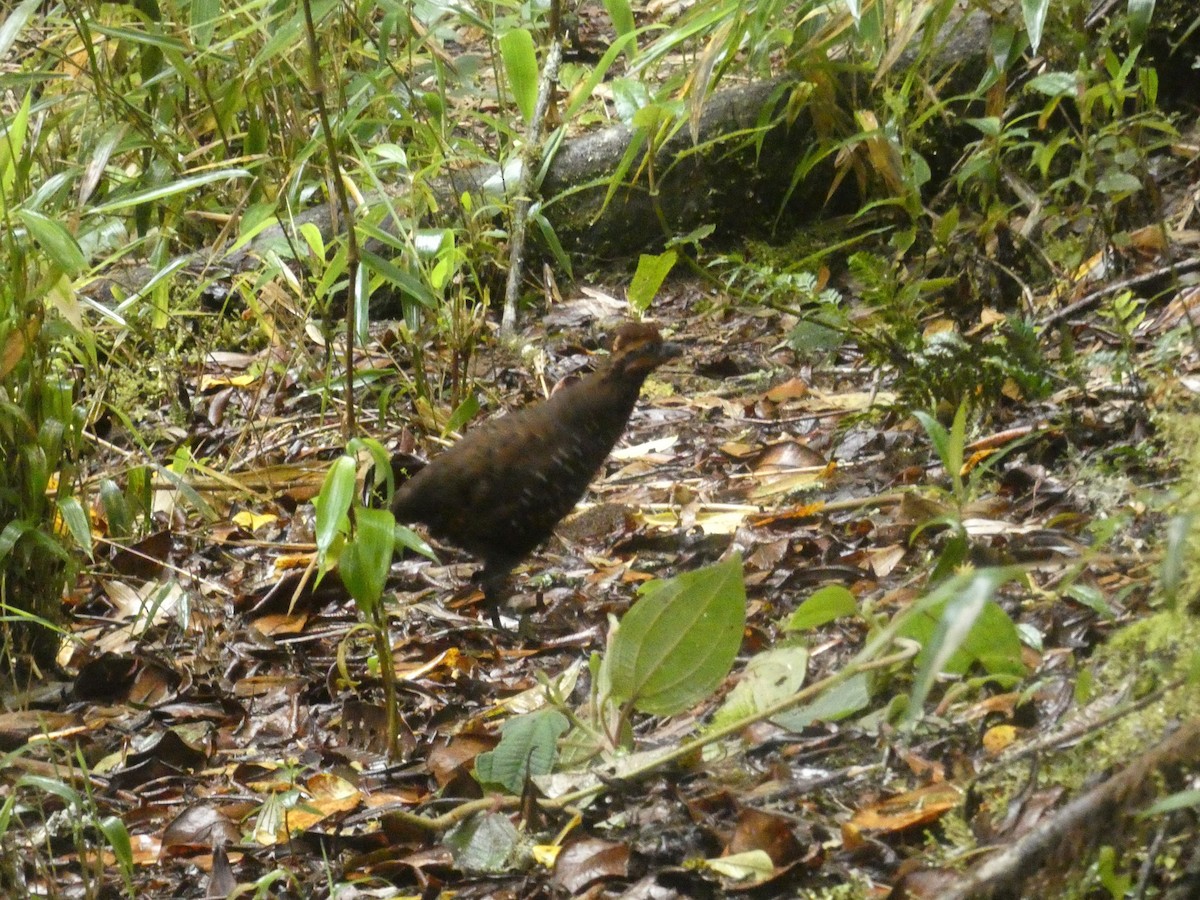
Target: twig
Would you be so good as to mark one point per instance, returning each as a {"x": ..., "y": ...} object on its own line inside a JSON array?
[
  {"x": 530, "y": 161},
  {"x": 343, "y": 204},
  {"x": 1094, "y": 298},
  {"x": 683, "y": 751}
]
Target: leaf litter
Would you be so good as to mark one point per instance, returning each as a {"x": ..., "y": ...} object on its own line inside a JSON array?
[{"x": 227, "y": 710}]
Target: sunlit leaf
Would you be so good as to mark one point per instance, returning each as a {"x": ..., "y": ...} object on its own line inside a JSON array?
[
  {"x": 678, "y": 642},
  {"x": 521, "y": 66}
]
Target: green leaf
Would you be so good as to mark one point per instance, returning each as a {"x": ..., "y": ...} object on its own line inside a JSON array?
[
  {"x": 53, "y": 238},
  {"x": 362, "y": 305},
  {"x": 204, "y": 17},
  {"x": 337, "y": 493},
  {"x": 408, "y": 284},
  {"x": 550, "y": 236},
  {"x": 118, "y": 839},
  {"x": 463, "y": 413},
  {"x": 833, "y": 705},
  {"x": 405, "y": 538},
  {"x": 584, "y": 94},
  {"x": 1176, "y": 801},
  {"x": 1034, "y": 13},
  {"x": 484, "y": 843},
  {"x": 12, "y": 134},
  {"x": 1054, "y": 84},
  {"x": 182, "y": 186},
  {"x": 116, "y": 509},
  {"x": 1114, "y": 181},
  {"x": 77, "y": 522},
  {"x": 12, "y": 533},
  {"x": 1093, "y": 599},
  {"x": 651, "y": 271},
  {"x": 830, "y": 602},
  {"x": 365, "y": 561},
  {"x": 521, "y": 66},
  {"x": 769, "y": 677},
  {"x": 960, "y": 627},
  {"x": 1140, "y": 13},
  {"x": 622, "y": 18},
  {"x": 678, "y": 642},
  {"x": 528, "y": 747}
]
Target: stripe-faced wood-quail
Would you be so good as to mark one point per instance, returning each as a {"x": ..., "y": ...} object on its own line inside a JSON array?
[{"x": 499, "y": 492}]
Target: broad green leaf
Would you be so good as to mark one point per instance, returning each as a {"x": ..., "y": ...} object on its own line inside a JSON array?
[
  {"x": 365, "y": 561},
  {"x": 622, "y": 18},
  {"x": 1054, "y": 84},
  {"x": 528, "y": 747},
  {"x": 678, "y": 642},
  {"x": 749, "y": 865},
  {"x": 204, "y": 16},
  {"x": 1140, "y": 13},
  {"x": 335, "y": 498},
  {"x": 404, "y": 537},
  {"x": 1093, "y": 599},
  {"x": 651, "y": 271},
  {"x": 770, "y": 676},
  {"x": 521, "y": 66},
  {"x": 408, "y": 284},
  {"x": 10, "y": 535},
  {"x": 116, "y": 509},
  {"x": 118, "y": 839},
  {"x": 484, "y": 843},
  {"x": 830, "y": 602},
  {"x": 463, "y": 413},
  {"x": 73, "y": 516},
  {"x": 842, "y": 700},
  {"x": 55, "y": 240},
  {"x": 1114, "y": 181},
  {"x": 963, "y": 627}
]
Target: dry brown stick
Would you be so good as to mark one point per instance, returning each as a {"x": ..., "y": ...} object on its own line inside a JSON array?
[
  {"x": 1090, "y": 818},
  {"x": 1095, "y": 297},
  {"x": 685, "y": 750}
]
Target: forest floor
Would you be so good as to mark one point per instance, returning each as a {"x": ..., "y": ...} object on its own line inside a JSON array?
[{"x": 234, "y": 727}]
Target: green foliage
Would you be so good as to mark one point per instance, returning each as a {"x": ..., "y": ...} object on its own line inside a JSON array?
[
  {"x": 40, "y": 811},
  {"x": 825, "y": 605},
  {"x": 942, "y": 367},
  {"x": 528, "y": 747},
  {"x": 41, "y": 428},
  {"x": 678, "y": 642},
  {"x": 651, "y": 271},
  {"x": 823, "y": 325},
  {"x": 359, "y": 541},
  {"x": 672, "y": 649}
]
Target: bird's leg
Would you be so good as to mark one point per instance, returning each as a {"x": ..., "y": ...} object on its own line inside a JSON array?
[{"x": 494, "y": 579}]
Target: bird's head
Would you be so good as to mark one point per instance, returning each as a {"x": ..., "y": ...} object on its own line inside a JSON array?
[{"x": 638, "y": 349}]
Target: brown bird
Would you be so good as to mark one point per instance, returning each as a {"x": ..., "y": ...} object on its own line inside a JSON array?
[{"x": 499, "y": 492}]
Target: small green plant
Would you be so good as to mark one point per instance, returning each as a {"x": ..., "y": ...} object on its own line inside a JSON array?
[
  {"x": 40, "y": 810},
  {"x": 950, "y": 447},
  {"x": 1124, "y": 313},
  {"x": 41, "y": 429},
  {"x": 360, "y": 541}
]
